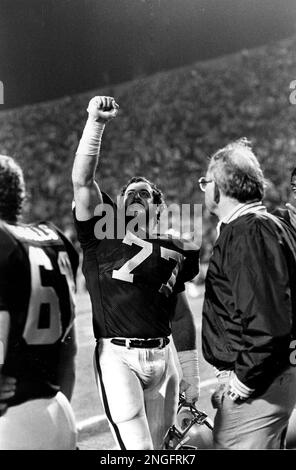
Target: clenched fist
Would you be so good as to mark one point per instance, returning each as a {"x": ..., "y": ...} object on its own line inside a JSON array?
[{"x": 102, "y": 108}]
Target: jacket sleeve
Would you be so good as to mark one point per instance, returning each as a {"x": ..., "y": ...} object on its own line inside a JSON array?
[{"x": 258, "y": 274}]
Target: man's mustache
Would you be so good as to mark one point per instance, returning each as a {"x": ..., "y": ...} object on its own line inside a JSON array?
[
  {"x": 136, "y": 201},
  {"x": 134, "y": 207}
]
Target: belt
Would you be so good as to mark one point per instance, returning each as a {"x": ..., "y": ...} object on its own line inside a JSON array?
[{"x": 141, "y": 343}]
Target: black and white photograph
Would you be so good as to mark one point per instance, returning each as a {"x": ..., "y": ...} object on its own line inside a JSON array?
[{"x": 148, "y": 228}]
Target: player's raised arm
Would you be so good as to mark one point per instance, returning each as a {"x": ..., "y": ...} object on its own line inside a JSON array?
[{"x": 87, "y": 194}]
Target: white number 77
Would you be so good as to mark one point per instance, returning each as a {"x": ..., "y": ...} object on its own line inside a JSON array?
[{"x": 124, "y": 273}]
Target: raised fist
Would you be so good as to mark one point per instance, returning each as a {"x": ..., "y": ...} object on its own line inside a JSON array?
[{"x": 102, "y": 108}]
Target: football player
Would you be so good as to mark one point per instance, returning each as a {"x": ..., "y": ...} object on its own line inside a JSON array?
[
  {"x": 37, "y": 339},
  {"x": 136, "y": 284}
]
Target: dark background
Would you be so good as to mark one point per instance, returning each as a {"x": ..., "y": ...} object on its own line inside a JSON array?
[{"x": 53, "y": 48}]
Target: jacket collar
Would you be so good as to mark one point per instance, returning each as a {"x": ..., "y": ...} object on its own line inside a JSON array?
[{"x": 239, "y": 210}]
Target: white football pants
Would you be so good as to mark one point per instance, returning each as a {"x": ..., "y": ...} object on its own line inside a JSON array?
[
  {"x": 42, "y": 424},
  {"x": 139, "y": 390}
]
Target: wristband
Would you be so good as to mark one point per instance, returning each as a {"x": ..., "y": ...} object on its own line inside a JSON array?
[
  {"x": 90, "y": 141},
  {"x": 190, "y": 369}
]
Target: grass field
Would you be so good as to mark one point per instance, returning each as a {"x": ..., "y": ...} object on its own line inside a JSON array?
[{"x": 93, "y": 428}]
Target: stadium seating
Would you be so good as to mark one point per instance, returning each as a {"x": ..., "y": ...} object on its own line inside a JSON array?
[{"x": 169, "y": 124}]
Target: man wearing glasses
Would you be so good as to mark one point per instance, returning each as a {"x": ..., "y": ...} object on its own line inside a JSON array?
[
  {"x": 249, "y": 307},
  {"x": 136, "y": 285}
]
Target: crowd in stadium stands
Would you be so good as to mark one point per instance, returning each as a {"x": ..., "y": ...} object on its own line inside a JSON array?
[{"x": 169, "y": 125}]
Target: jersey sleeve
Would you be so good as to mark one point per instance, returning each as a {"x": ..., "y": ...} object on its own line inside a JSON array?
[
  {"x": 86, "y": 229},
  {"x": 189, "y": 269},
  {"x": 8, "y": 253}
]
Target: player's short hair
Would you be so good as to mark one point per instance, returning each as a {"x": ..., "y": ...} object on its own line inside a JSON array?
[
  {"x": 293, "y": 173},
  {"x": 237, "y": 172},
  {"x": 12, "y": 189},
  {"x": 158, "y": 197}
]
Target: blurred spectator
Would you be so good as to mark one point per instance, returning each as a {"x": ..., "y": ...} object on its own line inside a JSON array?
[{"x": 289, "y": 214}]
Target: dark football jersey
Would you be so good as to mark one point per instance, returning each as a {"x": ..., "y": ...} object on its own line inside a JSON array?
[
  {"x": 132, "y": 281},
  {"x": 37, "y": 281}
]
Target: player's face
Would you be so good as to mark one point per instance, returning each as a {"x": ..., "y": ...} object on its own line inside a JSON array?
[
  {"x": 139, "y": 193},
  {"x": 293, "y": 186}
]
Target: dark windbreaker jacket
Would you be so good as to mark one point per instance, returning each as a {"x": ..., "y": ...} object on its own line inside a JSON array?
[{"x": 250, "y": 299}]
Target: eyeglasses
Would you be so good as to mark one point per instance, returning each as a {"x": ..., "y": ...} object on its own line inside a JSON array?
[
  {"x": 143, "y": 193},
  {"x": 203, "y": 183}
]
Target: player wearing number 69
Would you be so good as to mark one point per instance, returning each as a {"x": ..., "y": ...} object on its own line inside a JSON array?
[
  {"x": 136, "y": 285},
  {"x": 37, "y": 282}
]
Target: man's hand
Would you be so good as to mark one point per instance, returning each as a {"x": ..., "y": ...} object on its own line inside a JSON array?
[
  {"x": 102, "y": 109},
  {"x": 292, "y": 214},
  {"x": 7, "y": 390},
  {"x": 189, "y": 385},
  {"x": 223, "y": 378},
  {"x": 190, "y": 390}
]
